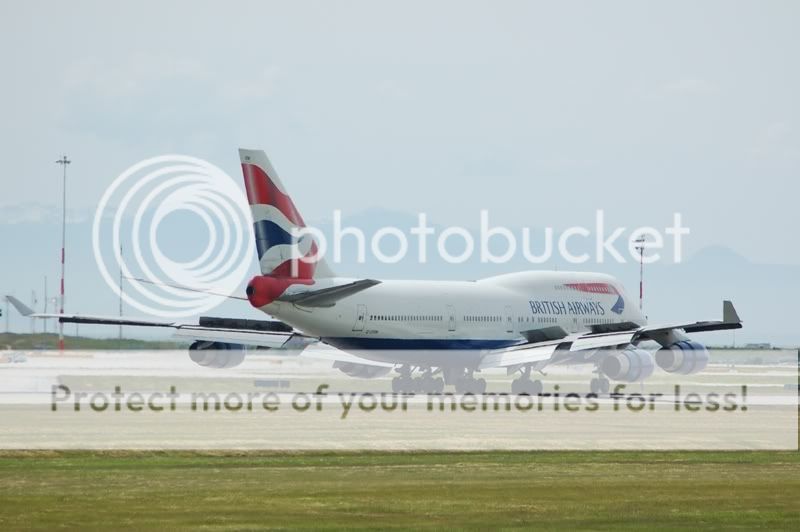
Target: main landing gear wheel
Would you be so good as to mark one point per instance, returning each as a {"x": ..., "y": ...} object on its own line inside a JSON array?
[
  {"x": 429, "y": 384},
  {"x": 426, "y": 383},
  {"x": 599, "y": 385},
  {"x": 402, "y": 384},
  {"x": 525, "y": 386},
  {"x": 471, "y": 385}
]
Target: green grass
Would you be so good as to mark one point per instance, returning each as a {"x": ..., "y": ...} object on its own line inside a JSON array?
[
  {"x": 50, "y": 341},
  {"x": 227, "y": 491}
]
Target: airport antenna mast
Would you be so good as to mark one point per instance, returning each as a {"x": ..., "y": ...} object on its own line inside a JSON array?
[
  {"x": 44, "y": 322},
  {"x": 63, "y": 162},
  {"x": 640, "y": 244},
  {"x": 120, "y": 296}
]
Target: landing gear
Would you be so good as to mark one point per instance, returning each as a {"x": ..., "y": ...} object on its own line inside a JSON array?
[
  {"x": 469, "y": 384},
  {"x": 525, "y": 386},
  {"x": 430, "y": 384},
  {"x": 405, "y": 383},
  {"x": 426, "y": 383},
  {"x": 599, "y": 385}
]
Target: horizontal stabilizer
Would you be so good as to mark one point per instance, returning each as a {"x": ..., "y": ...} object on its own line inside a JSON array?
[{"x": 327, "y": 297}]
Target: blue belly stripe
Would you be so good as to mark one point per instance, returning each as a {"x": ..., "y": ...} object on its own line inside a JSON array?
[{"x": 416, "y": 343}]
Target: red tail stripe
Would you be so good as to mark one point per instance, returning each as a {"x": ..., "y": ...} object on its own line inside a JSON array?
[
  {"x": 297, "y": 268},
  {"x": 262, "y": 190}
]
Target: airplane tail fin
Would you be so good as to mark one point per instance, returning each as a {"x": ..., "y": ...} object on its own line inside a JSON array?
[{"x": 280, "y": 252}]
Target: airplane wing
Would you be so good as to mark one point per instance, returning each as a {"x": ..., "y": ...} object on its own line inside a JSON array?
[
  {"x": 539, "y": 354},
  {"x": 257, "y": 333},
  {"x": 271, "y": 334}
]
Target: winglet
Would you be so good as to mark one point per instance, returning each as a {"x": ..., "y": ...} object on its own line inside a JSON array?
[
  {"x": 21, "y": 307},
  {"x": 729, "y": 314}
]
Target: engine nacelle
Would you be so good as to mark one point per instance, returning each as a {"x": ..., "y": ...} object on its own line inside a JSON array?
[
  {"x": 684, "y": 357},
  {"x": 629, "y": 365},
  {"x": 362, "y": 371},
  {"x": 219, "y": 355}
]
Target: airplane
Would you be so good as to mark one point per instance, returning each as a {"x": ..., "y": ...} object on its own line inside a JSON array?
[{"x": 444, "y": 331}]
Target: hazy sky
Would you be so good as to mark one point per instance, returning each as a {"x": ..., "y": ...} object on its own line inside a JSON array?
[{"x": 539, "y": 111}]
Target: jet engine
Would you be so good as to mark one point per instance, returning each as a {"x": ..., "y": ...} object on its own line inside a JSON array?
[
  {"x": 628, "y": 365},
  {"x": 362, "y": 371},
  {"x": 684, "y": 357},
  {"x": 216, "y": 354}
]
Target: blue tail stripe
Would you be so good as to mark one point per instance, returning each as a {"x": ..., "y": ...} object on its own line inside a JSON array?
[{"x": 269, "y": 234}]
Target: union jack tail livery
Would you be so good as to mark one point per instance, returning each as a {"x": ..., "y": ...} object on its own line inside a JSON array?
[{"x": 281, "y": 254}]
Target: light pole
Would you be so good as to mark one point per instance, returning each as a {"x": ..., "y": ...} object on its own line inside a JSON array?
[
  {"x": 640, "y": 248},
  {"x": 44, "y": 322},
  {"x": 63, "y": 162},
  {"x": 120, "y": 296}
]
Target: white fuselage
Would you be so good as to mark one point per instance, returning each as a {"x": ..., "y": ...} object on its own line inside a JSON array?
[{"x": 464, "y": 315}]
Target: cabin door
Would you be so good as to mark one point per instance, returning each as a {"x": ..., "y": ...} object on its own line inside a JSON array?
[
  {"x": 451, "y": 318},
  {"x": 509, "y": 319},
  {"x": 361, "y": 314}
]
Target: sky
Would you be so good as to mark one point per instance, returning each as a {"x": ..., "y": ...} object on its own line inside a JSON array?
[{"x": 541, "y": 112}]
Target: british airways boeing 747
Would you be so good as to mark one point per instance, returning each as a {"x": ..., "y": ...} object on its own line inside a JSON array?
[{"x": 432, "y": 333}]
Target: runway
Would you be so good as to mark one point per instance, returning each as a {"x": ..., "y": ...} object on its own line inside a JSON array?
[{"x": 161, "y": 400}]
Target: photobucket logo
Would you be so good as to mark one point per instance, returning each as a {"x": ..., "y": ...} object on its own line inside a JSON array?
[
  {"x": 145, "y": 195},
  {"x": 498, "y": 244}
]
